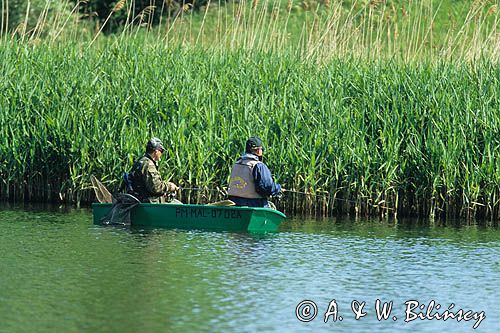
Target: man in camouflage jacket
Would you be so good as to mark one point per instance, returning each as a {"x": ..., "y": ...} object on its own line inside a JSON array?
[{"x": 147, "y": 184}]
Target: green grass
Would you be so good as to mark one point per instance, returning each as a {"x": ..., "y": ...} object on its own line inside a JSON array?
[{"x": 412, "y": 138}]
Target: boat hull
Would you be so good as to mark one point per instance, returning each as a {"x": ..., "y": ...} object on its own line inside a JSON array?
[{"x": 231, "y": 218}]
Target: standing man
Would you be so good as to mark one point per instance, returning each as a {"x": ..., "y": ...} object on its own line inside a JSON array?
[
  {"x": 146, "y": 180},
  {"x": 251, "y": 182}
]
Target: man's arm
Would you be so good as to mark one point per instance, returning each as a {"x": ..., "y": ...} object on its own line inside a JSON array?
[
  {"x": 264, "y": 184},
  {"x": 154, "y": 184}
]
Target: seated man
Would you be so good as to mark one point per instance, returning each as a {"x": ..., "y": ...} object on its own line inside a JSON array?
[
  {"x": 146, "y": 180},
  {"x": 251, "y": 182}
]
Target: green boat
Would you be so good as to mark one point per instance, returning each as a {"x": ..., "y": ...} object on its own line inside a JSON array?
[{"x": 230, "y": 218}]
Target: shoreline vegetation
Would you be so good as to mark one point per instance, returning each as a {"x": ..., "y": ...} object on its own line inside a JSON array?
[{"x": 365, "y": 107}]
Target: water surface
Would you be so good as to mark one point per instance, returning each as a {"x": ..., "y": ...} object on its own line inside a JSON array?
[{"x": 60, "y": 273}]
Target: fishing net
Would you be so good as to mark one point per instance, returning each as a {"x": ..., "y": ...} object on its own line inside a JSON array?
[
  {"x": 119, "y": 214},
  {"x": 101, "y": 192}
]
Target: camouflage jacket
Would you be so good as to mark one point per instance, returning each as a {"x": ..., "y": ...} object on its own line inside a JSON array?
[{"x": 147, "y": 183}]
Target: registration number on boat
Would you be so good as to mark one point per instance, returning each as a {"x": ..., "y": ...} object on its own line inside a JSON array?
[{"x": 213, "y": 213}]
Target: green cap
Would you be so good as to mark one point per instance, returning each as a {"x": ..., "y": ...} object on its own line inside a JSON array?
[
  {"x": 252, "y": 143},
  {"x": 155, "y": 144}
]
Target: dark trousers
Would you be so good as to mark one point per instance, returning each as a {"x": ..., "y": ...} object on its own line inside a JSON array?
[{"x": 257, "y": 202}]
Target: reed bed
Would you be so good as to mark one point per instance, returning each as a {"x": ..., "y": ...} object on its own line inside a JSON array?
[
  {"x": 383, "y": 137},
  {"x": 366, "y": 110}
]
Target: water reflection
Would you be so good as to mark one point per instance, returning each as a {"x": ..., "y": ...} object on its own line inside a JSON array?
[{"x": 78, "y": 276}]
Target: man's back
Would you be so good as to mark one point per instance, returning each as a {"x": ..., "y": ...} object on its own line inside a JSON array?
[{"x": 146, "y": 179}]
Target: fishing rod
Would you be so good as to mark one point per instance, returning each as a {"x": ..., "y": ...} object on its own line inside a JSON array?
[
  {"x": 172, "y": 195},
  {"x": 317, "y": 195},
  {"x": 329, "y": 195},
  {"x": 200, "y": 189},
  {"x": 300, "y": 192},
  {"x": 285, "y": 190}
]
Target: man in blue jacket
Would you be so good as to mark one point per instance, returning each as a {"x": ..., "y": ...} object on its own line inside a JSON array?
[{"x": 251, "y": 182}]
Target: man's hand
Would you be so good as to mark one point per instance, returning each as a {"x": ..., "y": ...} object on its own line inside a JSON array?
[{"x": 171, "y": 187}]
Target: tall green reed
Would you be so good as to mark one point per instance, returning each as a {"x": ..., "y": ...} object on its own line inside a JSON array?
[
  {"x": 379, "y": 137},
  {"x": 364, "y": 106}
]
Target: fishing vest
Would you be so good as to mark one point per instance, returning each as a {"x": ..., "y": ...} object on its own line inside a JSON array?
[{"x": 241, "y": 182}]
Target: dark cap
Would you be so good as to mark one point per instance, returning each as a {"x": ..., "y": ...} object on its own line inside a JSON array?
[
  {"x": 253, "y": 143},
  {"x": 154, "y": 144}
]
